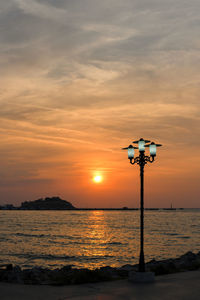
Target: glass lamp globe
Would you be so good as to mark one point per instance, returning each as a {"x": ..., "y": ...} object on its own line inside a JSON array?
[
  {"x": 131, "y": 152},
  {"x": 141, "y": 145},
  {"x": 152, "y": 149}
]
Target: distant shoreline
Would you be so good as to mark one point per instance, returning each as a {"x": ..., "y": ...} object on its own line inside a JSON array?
[{"x": 56, "y": 203}]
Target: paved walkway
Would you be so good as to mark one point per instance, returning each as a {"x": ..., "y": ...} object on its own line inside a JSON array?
[{"x": 180, "y": 286}]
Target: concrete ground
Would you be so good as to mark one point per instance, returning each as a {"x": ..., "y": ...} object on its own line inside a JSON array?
[{"x": 180, "y": 286}]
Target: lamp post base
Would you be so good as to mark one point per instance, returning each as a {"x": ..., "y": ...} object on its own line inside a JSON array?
[{"x": 141, "y": 277}]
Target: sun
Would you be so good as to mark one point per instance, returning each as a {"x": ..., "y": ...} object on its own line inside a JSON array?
[{"x": 97, "y": 178}]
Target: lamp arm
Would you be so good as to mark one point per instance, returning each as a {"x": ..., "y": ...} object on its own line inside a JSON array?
[
  {"x": 146, "y": 159},
  {"x": 135, "y": 160},
  {"x": 149, "y": 159},
  {"x": 132, "y": 161}
]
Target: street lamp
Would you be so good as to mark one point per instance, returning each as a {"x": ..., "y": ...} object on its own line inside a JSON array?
[{"x": 142, "y": 160}]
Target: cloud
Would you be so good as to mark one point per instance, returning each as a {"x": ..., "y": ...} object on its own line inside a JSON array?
[
  {"x": 86, "y": 76},
  {"x": 39, "y": 9}
]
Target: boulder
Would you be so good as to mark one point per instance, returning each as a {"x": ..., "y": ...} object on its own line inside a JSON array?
[{"x": 68, "y": 275}]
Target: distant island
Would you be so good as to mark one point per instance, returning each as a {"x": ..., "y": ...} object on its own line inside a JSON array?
[{"x": 53, "y": 203}]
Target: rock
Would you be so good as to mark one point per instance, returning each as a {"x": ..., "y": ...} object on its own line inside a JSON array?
[
  {"x": 124, "y": 270},
  {"x": 9, "y": 267},
  {"x": 17, "y": 269},
  {"x": 188, "y": 256},
  {"x": 108, "y": 273},
  {"x": 66, "y": 268},
  {"x": 171, "y": 267},
  {"x": 68, "y": 275},
  {"x": 83, "y": 276},
  {"x": 60, "y": 276},
  {"x": 159, "y": 269},
  {"x": 127, "y": 267}
]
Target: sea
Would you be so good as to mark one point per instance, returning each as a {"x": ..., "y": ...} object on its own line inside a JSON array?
[{"x": 95, "y": 238}]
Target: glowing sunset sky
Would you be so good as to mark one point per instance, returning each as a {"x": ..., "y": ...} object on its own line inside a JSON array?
[{"x": 80, "y": 80}]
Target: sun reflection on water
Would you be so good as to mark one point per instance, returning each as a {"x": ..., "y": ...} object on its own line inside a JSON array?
[{"x": 97, "y": 234}]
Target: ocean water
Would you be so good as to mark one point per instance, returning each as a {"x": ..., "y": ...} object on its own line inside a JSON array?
[{"x": 94, "y": 238}]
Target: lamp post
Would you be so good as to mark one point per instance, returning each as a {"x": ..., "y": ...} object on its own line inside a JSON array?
[{"x": 142, "y": 160}]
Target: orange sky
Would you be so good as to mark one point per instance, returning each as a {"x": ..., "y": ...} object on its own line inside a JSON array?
[{"x": 82, "y": 79}]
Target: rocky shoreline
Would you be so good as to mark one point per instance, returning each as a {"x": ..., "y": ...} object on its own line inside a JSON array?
[{"x": 69, "y": 275}]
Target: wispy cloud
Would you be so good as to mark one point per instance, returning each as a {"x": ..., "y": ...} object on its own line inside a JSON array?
[{"x": 42, "y": 10}]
